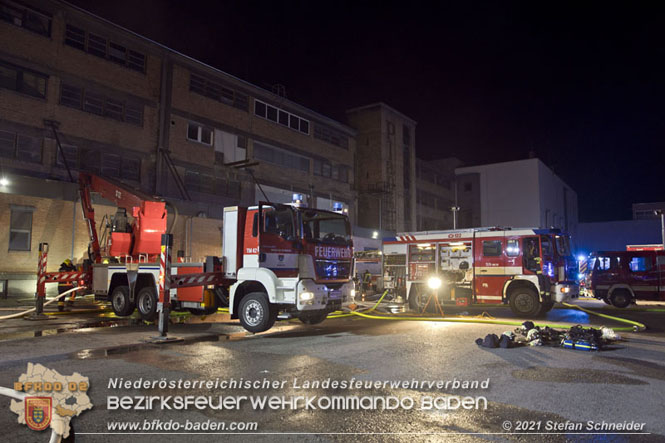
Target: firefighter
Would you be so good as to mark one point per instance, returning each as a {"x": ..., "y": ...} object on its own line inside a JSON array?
[
  {"x": 367, "y": 281},
  {"x": 65, "y": 266}
]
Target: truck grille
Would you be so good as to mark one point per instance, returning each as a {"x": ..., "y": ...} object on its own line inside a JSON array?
[{"x": 333, "y": 269}]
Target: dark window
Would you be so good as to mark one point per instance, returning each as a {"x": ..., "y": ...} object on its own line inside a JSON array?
[
  {"x": 131, "y": 168},
  {"x": 101, "y": 47},
  {"x": 406, "y": 135},
  {"x": 96, "y": 45},
  {"x": 99, "y": 104},
  {"x": 93, "y": 103},
  {"x": 29, "y": 149},
  {"x": 25, "y": 17},
  {"x": 343, "y": 173},
  {"x": 71, "y": 96},
  {"x": 280, "y": 157},
  {"x": 329, "y": 135},
  {"x": 111, "y": 164},
  {"x": 7, "y": 144},
  {"x": 260, "y": 109},
  {"x": 90, "y": 161},
  {"x": 217, "y": 91},
  {"x": 326, "y": 169},
  {"x": 71, "y": 155},
  {"x": 23, "y": 80},
  {"x": 75, "y": 37},
  {"x": 20, "y": 229},
  {"x": 304, "y": 126},
  {"x": 272, "y": 113},
  {"x": 491, "y": 248},
  {"x": 283, "y": 118},
  {"x": 294, "y": 123}
]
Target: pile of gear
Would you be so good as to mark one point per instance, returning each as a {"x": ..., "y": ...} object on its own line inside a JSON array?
[{"x": 577, "y": 337}]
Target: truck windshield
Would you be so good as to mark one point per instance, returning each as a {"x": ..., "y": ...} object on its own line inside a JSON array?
[
  {"x": 546, "y": 243},
  {"x": 325, "y": 227},
  {"x": 562, "y": 245}
]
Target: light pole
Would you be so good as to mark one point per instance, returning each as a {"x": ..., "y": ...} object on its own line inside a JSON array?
[
  {"x": 455, "y": 210},
  {"x": 662, "y": 225}
]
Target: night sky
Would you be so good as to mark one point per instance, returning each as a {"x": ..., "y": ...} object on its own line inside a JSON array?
[{"x": 583, "y": 86}]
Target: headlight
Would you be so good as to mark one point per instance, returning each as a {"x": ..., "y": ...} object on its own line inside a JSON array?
[
  {"x": 306, "y": 296},
  {"x": 434, "y": 282}
]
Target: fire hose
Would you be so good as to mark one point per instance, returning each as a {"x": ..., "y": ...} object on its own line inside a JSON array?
[
  {"x": 21, "y": 314},
  {"x": 634, "y": 326}
]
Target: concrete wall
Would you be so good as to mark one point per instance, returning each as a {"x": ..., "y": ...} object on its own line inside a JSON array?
[
  {"x": 615, "y": 235},
  {"x": 522, "y": 193}
]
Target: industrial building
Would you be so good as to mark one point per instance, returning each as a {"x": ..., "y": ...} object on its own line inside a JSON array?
[
  {"x": 130, "y": 109},
  {"x": 522, "y": 193},
  {"x": 435, "y": 193}
]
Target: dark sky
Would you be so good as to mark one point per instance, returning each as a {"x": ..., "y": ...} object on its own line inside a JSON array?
[{"x": 581, "y": 85}]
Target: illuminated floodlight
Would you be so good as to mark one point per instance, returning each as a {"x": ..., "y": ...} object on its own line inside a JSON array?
[
  {"x": 581, "y": 257},
  {"x": 434, "y": 282},
  {"x": 4, "y": 181},
  {"x": 375, "y": 234}
]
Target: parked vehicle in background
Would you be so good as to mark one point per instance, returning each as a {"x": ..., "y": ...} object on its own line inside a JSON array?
[{"x": 620, "y": 278}]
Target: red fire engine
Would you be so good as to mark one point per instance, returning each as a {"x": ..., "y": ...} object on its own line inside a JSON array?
[
  {"x": 529, "y": 269},
  {"x": 621, "y": 277},
  {"x": 277, "y": 260}
]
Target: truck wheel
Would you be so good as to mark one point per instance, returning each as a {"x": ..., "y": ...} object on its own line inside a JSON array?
[
  {"x": 255, "y": 312},
  {"x": 120, "y": 302},
  {"x": 545, "y": 308},
  {"x": 222, "y": 295},
  {"x": 146, "y": 303},
  {"x": 525, "y": 303},
  {"x": 620, "y": 298},
  {"x": 313, "y": 318}
]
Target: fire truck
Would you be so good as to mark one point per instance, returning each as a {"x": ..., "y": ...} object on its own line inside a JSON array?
[
  {"x": 528, "y": 269},
  {"x": 619, "y": 278},
  {"x": 277, "y": 260}
]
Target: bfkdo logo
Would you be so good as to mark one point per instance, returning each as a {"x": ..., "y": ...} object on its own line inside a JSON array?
[{"x": 38, "y": 412}]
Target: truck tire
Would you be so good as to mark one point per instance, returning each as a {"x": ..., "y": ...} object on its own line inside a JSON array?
[
  {"x": 313, "y": 318},
  {"x": 120, "y": 302},
  {"x": 255, "y": 312},
  {"x": 545, "y": 307},
  {"x": 525, "y": 302},
  {"x": 620, "y": 298},
  {"x": 146, "y": 303}
]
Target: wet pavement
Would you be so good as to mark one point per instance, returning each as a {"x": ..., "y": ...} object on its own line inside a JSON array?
[{"x": 526, "y": 385}]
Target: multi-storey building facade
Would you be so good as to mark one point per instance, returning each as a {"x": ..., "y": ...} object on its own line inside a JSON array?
[
  {"x": 385, "y": 167},
  {"x": 435, "y": 193},
  {"x": 128, "y": 108}
]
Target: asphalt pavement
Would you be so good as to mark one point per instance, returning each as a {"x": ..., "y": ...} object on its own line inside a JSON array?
[{"x": 528, "y": 387}]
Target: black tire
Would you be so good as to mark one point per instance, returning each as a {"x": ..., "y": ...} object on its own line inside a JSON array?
[
  {"x": 621, "y": 298},
  {"x": 122, "y": 306},
  {"x": 418, "y": 298},
  {"x": 525, "y": 302},
  {"x": 146, "y": 303},
  {"x": 313, "y": 318},
  {"x": 606, "y": 301},
  {"x": 545, "y": 308},
  {"x": 255, "y": 312},
  {"x": 222, "y": 297}
]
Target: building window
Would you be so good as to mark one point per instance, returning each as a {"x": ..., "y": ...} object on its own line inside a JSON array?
[
  {"x": 199, "y": 133},
  {"x": 20, "y": 228},
  {"x": 406, "y": 135},
  {"x": 101, "y": 105},
  {"x": 218, "y": 91},
  {"x": 25, "y": 17},
  {"x": 23, "y": 80},
  {"x": 280, "y": 157},
  {"x": 492, "y": 248},
  {"x": 20, "y": 147},
  {"x": 331, "y": 136},
  {"x": 101, "y": 47},
  {"x": 71, "y": 156},
  {"x": 281, "y": 117}
]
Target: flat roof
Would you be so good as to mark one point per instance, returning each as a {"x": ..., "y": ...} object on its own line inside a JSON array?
[{"x": 381, "y": 105}]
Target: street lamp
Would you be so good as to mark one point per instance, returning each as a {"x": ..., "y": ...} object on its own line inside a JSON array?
[
  {"x": 455, "y": 210},
  {"x": 662, "y": 225}
]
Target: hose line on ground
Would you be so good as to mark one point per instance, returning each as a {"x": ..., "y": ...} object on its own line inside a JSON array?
[{"x": 21, "y": 314}]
